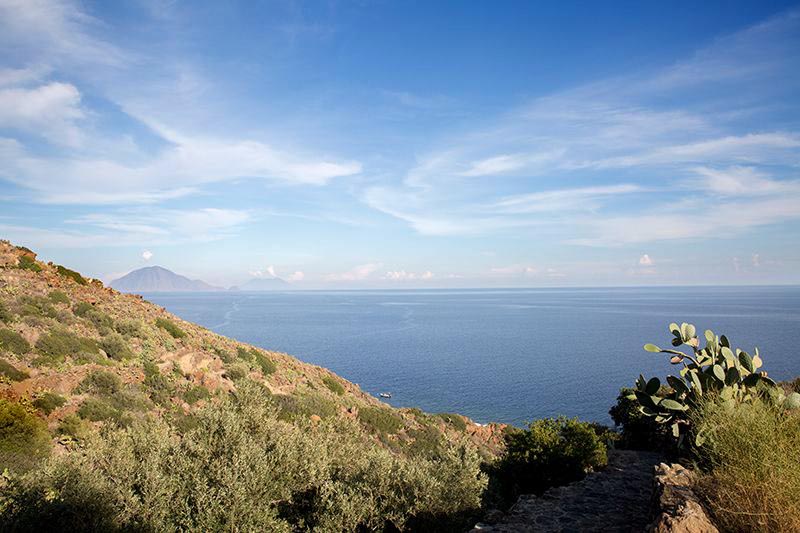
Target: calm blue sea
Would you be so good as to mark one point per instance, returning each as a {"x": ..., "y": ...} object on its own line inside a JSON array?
[{"x": 499, "y": 355}]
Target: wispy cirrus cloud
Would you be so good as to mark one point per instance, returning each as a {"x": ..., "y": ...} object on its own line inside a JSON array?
[{"x": 620, "y": 148}]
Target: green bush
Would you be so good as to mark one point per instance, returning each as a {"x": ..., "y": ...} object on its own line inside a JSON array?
[
  {"x": 57, "y": 344},
  {"x": 454, "y": 420},
  {"x": 5, "y": 314},
  {"x": 224, "y": 355},
  {"x": 304, "y": 406},
  {"x": 24, "y": 439},
  {"x": 36, "y": 306},
  {"x": 157, "y": 384},
  {"x": 244, "y": 354},
  {"x": 170, "y": 327},
  {"x": 26, "y": 263},
  {"x": 49, "y": 402},
  {"x": 236, "y": 372},
  {"x": 194, "y": 394},
  {"x": 73, "y": 426},
  {"x": 13, "y": 342},
  {"x": 380, "y": 419},
  {"x": 100, "y": 382},
  {"x": 237, "y": 468},
  {"x": 58, "y": 297},
  {"x": 11, "y": 372},
  {"x": 264, "y": 363},
  {"x": 551, "y": 452},
  {"x": 99, "y": 410},
  {"x": 130, "y": 328},
  {"x": 115, "y": 347},
  {"x": 333, "y": 384},
  {"x": 100, "y": 320},
  {"x": 71, "y": 274},
  {"x": 82, "y": 308},
  {"x": 639, "y": 431},
  {"x": 751, "y": 456}
]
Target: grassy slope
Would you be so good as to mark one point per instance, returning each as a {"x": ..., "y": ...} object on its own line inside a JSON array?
[{"x": 191, "y": 369}]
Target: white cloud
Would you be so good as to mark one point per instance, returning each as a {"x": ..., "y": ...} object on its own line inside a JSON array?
[
  {"x": 646, "y": 260},
  {"x": 402, "y": 275},
  {"x": 358, "y": 273},
  {"x": 515, "y": 271},
  {"x": 296, "y": 276},
  {"x": 268, "y": 272},
  {"x": 147, "y": 255},
  {"x": 756, "y": 260},
  {"x": 52, "y": 110}
]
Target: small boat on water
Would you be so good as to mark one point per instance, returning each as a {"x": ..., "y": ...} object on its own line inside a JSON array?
[{"x": 385, "y": 395}]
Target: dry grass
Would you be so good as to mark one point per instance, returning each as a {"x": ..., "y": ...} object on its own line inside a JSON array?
[{"x": 754, "y": 478}]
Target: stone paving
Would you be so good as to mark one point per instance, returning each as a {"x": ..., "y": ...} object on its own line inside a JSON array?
[{"x": 616, "y": 499}]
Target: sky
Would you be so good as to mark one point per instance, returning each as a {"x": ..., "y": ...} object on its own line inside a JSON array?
[{"x": 378, "y": 144}]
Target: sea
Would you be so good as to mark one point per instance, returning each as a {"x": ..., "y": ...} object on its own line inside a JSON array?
[{"x": 511, "y": 355}]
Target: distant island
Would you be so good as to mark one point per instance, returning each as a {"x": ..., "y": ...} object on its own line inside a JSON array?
[
  {"x": 159, "y": 279},
  {"x": 264, "y": 284}
]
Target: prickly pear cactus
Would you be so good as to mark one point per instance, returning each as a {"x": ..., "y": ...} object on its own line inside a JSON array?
[{"x": 716, "y": 368}]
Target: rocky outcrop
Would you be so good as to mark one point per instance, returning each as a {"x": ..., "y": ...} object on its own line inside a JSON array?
[
  {"x": 614, "y": 499},
  {"x": 676, "y": 507}
]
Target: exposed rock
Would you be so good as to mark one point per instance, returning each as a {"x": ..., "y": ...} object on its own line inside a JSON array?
[{"x": 676, "y": 507}]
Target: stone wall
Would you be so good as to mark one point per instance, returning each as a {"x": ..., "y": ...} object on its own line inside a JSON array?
[{"x": 676, "y": 507}]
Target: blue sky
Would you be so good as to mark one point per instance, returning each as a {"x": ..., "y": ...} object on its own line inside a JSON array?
[{"x": 405, "y": 144}]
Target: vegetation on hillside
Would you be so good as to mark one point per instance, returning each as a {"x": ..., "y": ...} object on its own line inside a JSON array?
[{"x": 739, "y": 427}]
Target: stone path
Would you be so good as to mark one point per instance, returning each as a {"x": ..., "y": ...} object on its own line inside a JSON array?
[{"x": 616, "y": 499}]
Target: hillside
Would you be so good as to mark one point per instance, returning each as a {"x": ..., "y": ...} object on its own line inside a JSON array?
[
  {"x": 159, "y": 279},
  {"x": 80, "y": 357}
]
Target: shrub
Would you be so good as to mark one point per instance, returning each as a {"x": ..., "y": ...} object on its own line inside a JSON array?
[
  {"x": 56, "y": 345},
  {"x": 100, "y": 320},
  {"x": 116, "y": 347},
  {"x": 264, "y": 363},
  {"x": 333, "y": 384},
  {"x": 551, "y": 452},
  {"x": 73, "y": 426},
  {"x": 639, "y": 431},
  {"x": 380, "y": 419},
  {"x": 750, "y": 450},
  {"x": 49, "y": 402},
  {"x": 58, "y": 297},
  {"x": 237, "y": 468},
  {"x": 170, "y": 327},
  {"x": 130, "y": 328},
  {"x": 100, "y": 382},
  {"x": 71, "y": 274},
  {"x": 158, "y": 385},
  {"x": 13, "y": 342},
  {"x": 427, "y": 441},
  {"x": 195, "y": 394},
  {"x": 224, "y": 355},
  {"x": 303, "y": 407},
  {"x": 82, "y": 308},
  {"x": 24, "y": 439},
  {"x": 36, "y": 306},
  {"x": 244, "y": 354},
  {"x": 5, "y": 314},
  {"x": 716, "y": 368},
  {"x": 236, "y": 372},
  {"x": 454, "y": 420},
  {"x": 11, "y": 372},
  {"x": 98, "y": 410},
  {"x": 26, "y": 263}
]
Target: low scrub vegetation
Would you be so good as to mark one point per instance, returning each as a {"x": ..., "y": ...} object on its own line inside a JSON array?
[
  {"x": 333, "y": 385},
  {"x": 552, "y": 451},
  {"x": 380, "y": 419},
  {"x": 13, "y": 342},
  {"x": 26, "y": 263},
  {"x": 58, "y": 344},
  {"x": 170, "y": 327},
  {"x": 24, "y": 440},
  {"x": 71, "y": 274},
  {"x": 48, "y": 402},
  {"x": 240, "y": 468},
  {"x": 751, "y": 455},
  {"x": 58, "y": 297},
  {"x": 11, "y": 372},
  {"x": 116, "y": 347}
]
